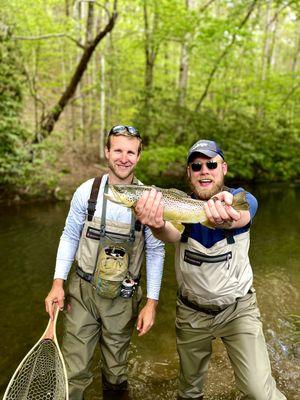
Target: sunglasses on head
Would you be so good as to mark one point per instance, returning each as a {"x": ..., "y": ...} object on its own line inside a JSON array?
[
  {"x": 118, "y": 129},
  {"x": 197, "y": 166}
]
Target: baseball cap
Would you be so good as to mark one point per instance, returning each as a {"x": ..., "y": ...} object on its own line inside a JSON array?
[{"x": 209, "y": 148}]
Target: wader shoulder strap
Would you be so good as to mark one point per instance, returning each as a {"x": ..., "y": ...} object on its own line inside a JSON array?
[{"x": 93, "y": 197}]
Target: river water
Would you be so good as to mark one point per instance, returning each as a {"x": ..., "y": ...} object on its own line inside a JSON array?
[{"x": 29, "y": 236}]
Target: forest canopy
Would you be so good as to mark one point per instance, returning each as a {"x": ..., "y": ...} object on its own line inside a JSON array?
[{"x": 179, "y": 70}]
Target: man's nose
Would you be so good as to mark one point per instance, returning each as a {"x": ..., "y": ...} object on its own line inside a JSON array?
[
  {"x": 204, "y": 169},
  {"x": 124, "y": 158}
]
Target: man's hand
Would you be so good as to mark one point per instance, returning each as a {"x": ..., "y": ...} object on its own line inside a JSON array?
[
  {"x": 55, "y": 296},
  {"x": 146, "y": 317},
  {"x": 220, "y": 213},
  {"x": 149, "y": 209}
]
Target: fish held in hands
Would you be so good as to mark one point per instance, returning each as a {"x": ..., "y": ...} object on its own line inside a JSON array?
[{"x": 178, "y": 207}]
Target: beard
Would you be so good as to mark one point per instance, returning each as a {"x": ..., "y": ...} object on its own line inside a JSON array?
[
  {"x": 206, "y": 194},
  {"x": 119, "y": 173}
]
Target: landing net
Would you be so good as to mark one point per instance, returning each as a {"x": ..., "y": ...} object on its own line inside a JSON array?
[{"x": 41, "y": 377}]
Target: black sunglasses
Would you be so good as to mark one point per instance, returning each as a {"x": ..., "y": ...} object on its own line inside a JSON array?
[
  {"x": 118, "y": 129},
  {"x": 197, "y": 166}
]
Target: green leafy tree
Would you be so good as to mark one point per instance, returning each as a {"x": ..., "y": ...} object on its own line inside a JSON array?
[
  {"x": 13, "y": 135},
  {"x": 179, "y": 70}
]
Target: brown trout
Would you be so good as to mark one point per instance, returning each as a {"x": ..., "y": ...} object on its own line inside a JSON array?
[{"x": 178, "y": 206}]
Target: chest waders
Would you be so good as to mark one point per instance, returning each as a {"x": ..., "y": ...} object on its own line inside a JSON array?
[
  {"x": 110, "y": 253},
  {"x": 216, "y": 300},
  {"x": 213, "y": 278}
]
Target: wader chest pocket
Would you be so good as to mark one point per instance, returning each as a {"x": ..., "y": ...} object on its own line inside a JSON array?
[
  {"x": 111, "y": 269},
  {"x": 198, "y": 259}
]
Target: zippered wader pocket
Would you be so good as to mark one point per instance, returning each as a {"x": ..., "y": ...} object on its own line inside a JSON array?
[{"x": 198, "y": 259}]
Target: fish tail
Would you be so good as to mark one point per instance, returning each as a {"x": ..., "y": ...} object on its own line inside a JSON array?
[{"x": 239, "y": 201}]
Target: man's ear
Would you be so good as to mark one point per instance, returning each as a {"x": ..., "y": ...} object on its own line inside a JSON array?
[
  {"x": 106, "y": 152},
  {"x": 188, "y": 172},
  {"x": 225, "y": 168}
]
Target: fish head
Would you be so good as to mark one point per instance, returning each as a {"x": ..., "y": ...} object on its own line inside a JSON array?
[{"x": 127, "y": 195}]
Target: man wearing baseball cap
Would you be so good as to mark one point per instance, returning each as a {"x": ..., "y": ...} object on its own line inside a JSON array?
[
  {"x": 216, "y": 297},
  {"x": 208, "y": 148}
]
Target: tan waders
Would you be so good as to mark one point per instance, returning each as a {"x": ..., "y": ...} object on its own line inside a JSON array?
[
  {"x": 104, "y": 297},
  {"x": 240, "y": 329},
  {"x": 92, "y": 320}
]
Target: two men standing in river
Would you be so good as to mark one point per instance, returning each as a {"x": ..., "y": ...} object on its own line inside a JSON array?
[{"x": 215, "y": 297}]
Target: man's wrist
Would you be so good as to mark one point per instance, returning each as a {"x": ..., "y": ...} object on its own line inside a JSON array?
[
  {"x": 152, "y": 302},
  {"x": 160, "y": 229},
  {"x": 58, "y": 282}
]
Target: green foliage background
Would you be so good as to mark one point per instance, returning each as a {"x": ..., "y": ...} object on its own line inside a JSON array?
[{"x": 251, "y": 107}]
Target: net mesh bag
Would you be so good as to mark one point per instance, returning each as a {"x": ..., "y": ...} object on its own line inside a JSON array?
[{"x": 41, "y": 377}]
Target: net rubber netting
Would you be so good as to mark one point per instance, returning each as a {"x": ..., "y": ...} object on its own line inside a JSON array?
[{"x": 41, "y": 377}]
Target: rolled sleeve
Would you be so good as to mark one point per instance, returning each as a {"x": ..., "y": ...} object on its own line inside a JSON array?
[{"x": 253, "y": 204}]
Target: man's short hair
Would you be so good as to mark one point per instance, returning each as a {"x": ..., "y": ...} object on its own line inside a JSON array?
[{"x": 124, "y": 130}]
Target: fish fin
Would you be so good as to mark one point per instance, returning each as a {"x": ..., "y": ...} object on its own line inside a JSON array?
[
  {"x": 111, "y": 198},
  {"x": 205, "y": 221},
  {"x": 177, "y": 225},
  {"x": 208, "y": 224},
  {"x": 239, "y": 201}
]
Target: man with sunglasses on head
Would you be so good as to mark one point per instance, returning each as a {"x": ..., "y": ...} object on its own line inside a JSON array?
[
  {"x": 215, "y": 295},
  {"x": 104, "y": 293}
]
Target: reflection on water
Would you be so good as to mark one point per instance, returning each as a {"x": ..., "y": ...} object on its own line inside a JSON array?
[{"x": 29, "y": 236}]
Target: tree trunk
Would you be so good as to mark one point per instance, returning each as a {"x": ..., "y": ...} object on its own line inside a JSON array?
[
  {"x": 183, "y": 74},
  {"x": 111, "y": 83},
  {"x": 102, "y": 106},
  {"x": 87, "y": 103},
  {"x": 150, "y": 55},
  {"x": 79, "y": 10},
  {"x": 297, "y": 49},
  {"x": 267, "y": 41},
  {"x": 67, "y": 7},
  {"x": 222, "y": 56},
  {"x": 102, "y": 90},
  {"x": 47, "y": 124}
]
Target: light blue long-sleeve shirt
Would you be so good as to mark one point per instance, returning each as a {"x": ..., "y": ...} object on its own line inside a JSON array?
[{"x": 69, "y": 240}]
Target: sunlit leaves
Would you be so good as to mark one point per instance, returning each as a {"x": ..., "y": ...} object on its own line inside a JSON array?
[{"x": 252, "y": 103}]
